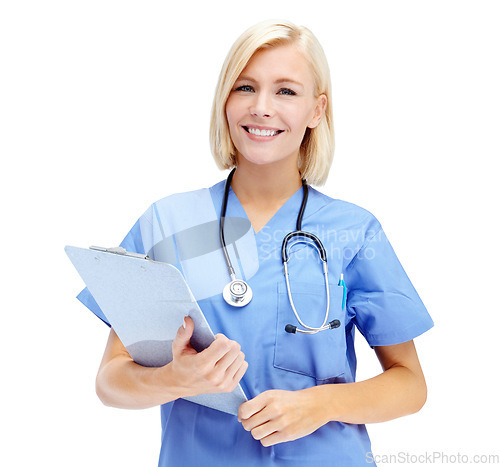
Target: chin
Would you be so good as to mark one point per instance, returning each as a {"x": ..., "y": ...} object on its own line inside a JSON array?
[
  {"x": 260, "y": 159},
  {"x": 260, "y": 162}
]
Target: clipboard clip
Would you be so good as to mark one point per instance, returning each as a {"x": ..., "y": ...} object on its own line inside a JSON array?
[{"x": 119, "y": 250}]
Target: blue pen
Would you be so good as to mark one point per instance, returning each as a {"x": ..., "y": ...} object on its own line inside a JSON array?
[{"x": 344, "y": 296}]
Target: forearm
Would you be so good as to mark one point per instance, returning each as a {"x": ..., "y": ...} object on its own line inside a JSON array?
[
  {"x": 124, "y": 384},
  {"x": 396, "y": 392},
  {"x": 277, "y": 416}
]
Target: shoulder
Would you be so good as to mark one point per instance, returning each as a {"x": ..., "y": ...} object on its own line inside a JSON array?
[
  {"x": 185, "y": 209},
  {"x": 183, "y": 197},
  {"x": 344, "y": 214},
  {"x": 186, "y": 200},
  {"x": 181, "y": 215}
]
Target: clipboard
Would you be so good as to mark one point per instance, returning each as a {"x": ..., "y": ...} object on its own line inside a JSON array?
[{"x": 146, "y": 301}]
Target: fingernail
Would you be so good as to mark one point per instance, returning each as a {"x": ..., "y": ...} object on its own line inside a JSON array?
[{"x": 184, "y": 323}]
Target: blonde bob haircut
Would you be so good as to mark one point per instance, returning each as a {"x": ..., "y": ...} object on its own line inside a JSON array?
[{"x": 316, "y": 151}]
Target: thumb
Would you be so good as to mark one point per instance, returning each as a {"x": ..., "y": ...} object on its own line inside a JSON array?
[{"x": 182, "y": 338}]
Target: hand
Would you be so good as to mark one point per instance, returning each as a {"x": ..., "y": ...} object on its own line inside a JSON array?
[
  {"x": 277, "y": 416},
  {"x": 218, "y": 368}
]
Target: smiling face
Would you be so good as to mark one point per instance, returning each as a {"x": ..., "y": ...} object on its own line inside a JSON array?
[{"x": 271, "y": 105}]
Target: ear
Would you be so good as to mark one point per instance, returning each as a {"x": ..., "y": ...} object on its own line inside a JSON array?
[{"x": 319, "y": 111}]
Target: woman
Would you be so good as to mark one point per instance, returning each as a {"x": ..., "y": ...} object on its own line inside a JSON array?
[{"x": 272, "y": 122}]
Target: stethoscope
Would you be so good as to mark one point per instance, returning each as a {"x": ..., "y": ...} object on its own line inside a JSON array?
[{"x": 238, "y": 293}]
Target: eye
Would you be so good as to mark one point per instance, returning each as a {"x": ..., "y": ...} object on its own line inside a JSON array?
[
  {"x": 287, "y": 92},
  {"x": 244, "y": 88}
]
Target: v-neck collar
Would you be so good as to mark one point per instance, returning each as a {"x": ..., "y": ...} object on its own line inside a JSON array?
[{"x": 288, "y": 211}]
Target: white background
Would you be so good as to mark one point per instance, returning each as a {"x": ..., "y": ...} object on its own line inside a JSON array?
[{"x": 104, "y": 108}]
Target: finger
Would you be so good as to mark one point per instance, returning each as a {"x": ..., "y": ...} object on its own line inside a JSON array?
[
  {"x": 218, "y": 348},
  {"x": 235, "y": 378},
  {"x": 265, "y": 430},
  {"x": 230, "y": 382},
  {"x": 247, "y": 409},
  {"x": 274, "y": 438},
  {"x": 183, "y": 336},
  {"x": 230, "y": 358},
  {"x": 218, "y": 374},
  {"x": 235, "y": 365},
  {"x": 256, "y": 420},
  {"x": 239, "y": 374}
]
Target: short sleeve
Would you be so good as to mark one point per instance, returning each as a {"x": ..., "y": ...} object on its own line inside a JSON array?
[
  {"x": 133, "y": 242},
  {"x": 381, "y": 299}
]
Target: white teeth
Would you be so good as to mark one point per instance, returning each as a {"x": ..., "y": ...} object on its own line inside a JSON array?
[{"x": 257, "y": 132}]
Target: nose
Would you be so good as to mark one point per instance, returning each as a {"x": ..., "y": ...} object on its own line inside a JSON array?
[{"x": 262, "y": 105}]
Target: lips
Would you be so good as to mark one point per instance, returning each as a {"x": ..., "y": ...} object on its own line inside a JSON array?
[{"x": 256, "y": 131}]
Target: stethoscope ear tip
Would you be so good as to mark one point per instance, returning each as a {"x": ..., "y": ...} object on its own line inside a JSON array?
[{"x": 334, "y": 324}]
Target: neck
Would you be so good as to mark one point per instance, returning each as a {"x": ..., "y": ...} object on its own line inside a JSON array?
[{"x": 265, "y": 184}]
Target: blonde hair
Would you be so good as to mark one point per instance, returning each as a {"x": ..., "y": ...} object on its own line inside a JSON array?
[{"x": 316, "y": 151}]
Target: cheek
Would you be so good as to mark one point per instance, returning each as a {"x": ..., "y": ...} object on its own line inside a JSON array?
[
  {"x": 299, "y": 126},
  {"x": 232, "y": 111},
  {"x": 296, "y": 116}
]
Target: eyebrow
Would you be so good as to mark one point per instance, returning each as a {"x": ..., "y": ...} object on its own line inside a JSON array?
[{"x": 278, "y": 81}]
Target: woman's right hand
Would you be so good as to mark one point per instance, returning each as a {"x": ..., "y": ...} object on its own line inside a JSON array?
[
  {"x": 123, "y": 383},
  {"x": 218, "y": 368}
]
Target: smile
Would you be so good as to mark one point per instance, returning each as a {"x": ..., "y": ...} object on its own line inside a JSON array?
[{"x": 259, "y": 132}]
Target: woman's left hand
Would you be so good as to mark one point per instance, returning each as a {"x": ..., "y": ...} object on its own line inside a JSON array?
[{"x": 277, "y": 416}]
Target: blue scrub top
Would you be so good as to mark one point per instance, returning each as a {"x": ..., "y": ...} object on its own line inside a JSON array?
[{"x": 381, "y": 302}]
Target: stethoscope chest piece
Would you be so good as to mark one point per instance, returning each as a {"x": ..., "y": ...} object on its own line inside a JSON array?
[{"x": 237, "y": 293}]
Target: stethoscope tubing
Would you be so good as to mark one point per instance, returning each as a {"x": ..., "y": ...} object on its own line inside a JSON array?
[
  {"x": 316, "y": 243},
  {"x": 222, "y": 220},
  {"x": 303, "y": 237}
]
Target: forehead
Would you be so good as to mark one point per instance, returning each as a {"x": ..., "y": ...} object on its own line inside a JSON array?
[{"x": 279, "y": 63}]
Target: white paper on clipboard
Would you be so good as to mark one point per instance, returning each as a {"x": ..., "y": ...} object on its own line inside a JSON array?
[{"x": 146, "y": 301}]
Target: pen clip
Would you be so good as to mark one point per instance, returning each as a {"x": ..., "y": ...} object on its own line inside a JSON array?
[{"x": 344, "y": 289}]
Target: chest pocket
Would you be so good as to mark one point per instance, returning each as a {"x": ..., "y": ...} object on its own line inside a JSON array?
[{"x": 322, "y": 355}]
